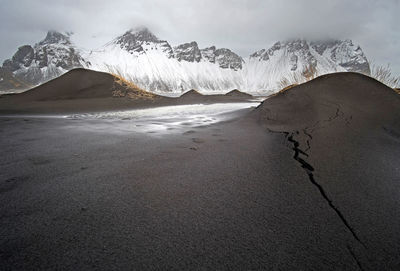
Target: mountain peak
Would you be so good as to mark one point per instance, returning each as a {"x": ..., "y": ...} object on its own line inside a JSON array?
[
  {"x": 140, "y": 34},
  {"x": 140, "y": 41},
  {"x": 344, "y": 53},
  {"x": 228, "y": 59},
  {"x": 54, "y": 37},
  {"x": 49, "y": 58},
  {"x": 188, "y": 51}
]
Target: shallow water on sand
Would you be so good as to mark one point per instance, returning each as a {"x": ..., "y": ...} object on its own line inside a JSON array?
[{"x": 167, "y": 118}]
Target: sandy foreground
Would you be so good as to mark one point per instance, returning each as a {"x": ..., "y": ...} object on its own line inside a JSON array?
[{"x": 210, "y": 191}]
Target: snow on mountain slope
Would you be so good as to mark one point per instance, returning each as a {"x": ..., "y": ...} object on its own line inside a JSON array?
[
  {"x": 155, "y": 65},
  {"x": 292, "y": 60},
  {"x": 46, "y": 60}
]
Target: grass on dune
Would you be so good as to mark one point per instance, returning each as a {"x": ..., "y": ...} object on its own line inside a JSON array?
[{"x": 125, "y": 86}]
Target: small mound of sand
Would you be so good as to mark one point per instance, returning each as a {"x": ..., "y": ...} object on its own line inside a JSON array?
[
  {"x": 85, "y": 84},
  {"x": 327, "y": 96},
  {"x": 238, "y": 93},
  {"x": 191, "y": 93}
]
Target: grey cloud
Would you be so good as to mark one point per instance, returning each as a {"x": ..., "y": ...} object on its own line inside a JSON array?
[{"x": 243, "y": 26}]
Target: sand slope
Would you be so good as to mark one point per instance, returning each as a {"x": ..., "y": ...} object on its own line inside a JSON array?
[
  {"x": 344, "y": 132},
  {"x": 79, "y": 90},
  {"x": 238, "y": 93}
]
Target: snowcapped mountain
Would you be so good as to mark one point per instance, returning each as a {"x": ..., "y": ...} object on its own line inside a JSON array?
[
  {"x": 188, "y": 52},
  {"x": 299, "y": 60},
  {"x": 137, "y": 42},
  {"x": 155, "y": 65},
  {"x": 46, "y": 60},
  {"x": 343, "y": 53}
]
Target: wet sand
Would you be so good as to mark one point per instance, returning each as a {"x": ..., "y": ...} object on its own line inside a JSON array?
[{"x": 85, "y": 194}]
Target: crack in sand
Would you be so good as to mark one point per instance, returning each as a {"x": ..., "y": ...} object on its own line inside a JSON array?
[
  {"x": 308, "y": 140},
  {"x": 316, "y": 125},
  {"x": 309, "y": 170},
  {"x": 307, "y": 131},
  {"x": 355, "y": 258}
]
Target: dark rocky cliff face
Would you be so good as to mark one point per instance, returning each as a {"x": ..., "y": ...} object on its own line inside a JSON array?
[
  {"x": 224, "y": 57},
  {"x": 228, "y": 59},
  {"x": 188, "y": 52}
]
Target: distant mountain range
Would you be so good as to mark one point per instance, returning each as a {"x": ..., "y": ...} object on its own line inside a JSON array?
[{"x": 155, "y": 65}]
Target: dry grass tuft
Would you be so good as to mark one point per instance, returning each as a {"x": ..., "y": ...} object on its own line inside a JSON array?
[
  {"x": 125, "y": 86},
  {"x": 287, "y": 88},
  {"x": 296, "y": 78},
  {"x": 310, "y": 72}
]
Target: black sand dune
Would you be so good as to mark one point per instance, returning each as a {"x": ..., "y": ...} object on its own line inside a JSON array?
[
  {"x": 194, "y": 96},
  {"x": 79, "y": 90},
  {"x": 344, "y": 132},
  {"x": 81, "y": 84},
  {"x": 83, "y": 90},
  {"x": 191, "y": 93},
  {"x": 239, "y": 94}
]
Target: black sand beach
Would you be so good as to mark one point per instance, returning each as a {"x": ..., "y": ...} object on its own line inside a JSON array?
[{"x": 307, "y": 181}]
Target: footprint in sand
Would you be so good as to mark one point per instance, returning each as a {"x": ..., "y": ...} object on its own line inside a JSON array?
[
  {"x": 12, "y": 183},
  {"x": 197, "y": 140}
]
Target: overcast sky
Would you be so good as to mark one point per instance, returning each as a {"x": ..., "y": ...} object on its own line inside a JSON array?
[{"x": 243, "y": 26}]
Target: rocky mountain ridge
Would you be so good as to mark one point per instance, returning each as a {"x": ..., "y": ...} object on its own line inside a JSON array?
[
  {"x": 47, "y": 59},
  {"x": 155, "y": 65}
]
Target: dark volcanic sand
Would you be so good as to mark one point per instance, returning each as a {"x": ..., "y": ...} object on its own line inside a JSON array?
[
  {"x": 344, "y": 130},
  {"x": 91, "y": 194},
  {"x": 82, "y": 90}
]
